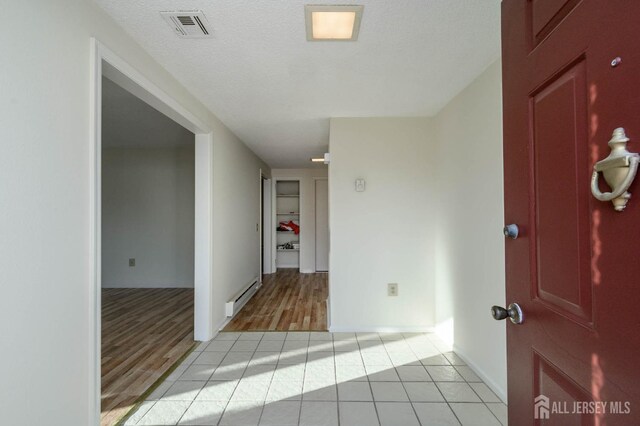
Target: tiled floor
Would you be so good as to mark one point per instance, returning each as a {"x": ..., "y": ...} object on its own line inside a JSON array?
[{"x": 301, "y": 378}]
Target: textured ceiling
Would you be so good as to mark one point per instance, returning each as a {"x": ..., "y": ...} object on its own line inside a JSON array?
[
  {"x": 277, "y": 91},
  {"x": 129, "y": 122}
]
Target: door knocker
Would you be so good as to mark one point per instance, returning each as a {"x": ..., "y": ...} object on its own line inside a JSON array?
[{"x": 619, "y": 170}]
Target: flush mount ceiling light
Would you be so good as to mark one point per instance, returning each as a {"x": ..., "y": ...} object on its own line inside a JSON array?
[{"x": 333, "y": 22}]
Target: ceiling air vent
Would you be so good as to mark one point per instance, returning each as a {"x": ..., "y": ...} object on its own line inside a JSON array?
[{"x": 188, "y": 24}]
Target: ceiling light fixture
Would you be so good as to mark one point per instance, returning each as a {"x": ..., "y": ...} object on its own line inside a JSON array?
[
  {"x": 326, "y": 159},
  {"x": 333, "y": 22}
]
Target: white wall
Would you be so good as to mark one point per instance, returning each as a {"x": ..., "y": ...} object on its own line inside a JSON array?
[
  {"x": 470, "y": 244},
  {"x": 385, "y": 234},
  {"x": 236, "y": 216},
  {"x": 430, "y": 219},
  {"x": 307, "y": 212},
  {"x": 148, "y": 214},
  {"x": 45, "y": 205}
]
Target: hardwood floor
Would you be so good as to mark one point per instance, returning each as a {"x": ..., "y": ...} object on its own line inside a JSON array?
[
  {"x": 144, "y": 332},
  {"x": 287, "y": 300}
]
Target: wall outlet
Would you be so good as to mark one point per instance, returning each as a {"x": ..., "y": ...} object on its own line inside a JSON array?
[
  {"x": 132, "y": 262},
  {"x": 392, "y": 289}
]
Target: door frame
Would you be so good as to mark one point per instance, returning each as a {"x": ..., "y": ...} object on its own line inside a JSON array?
[
  {"x": 105, "y": 62},
  {"x": 315, "y": 220},
  {"x": 274, "y": 218},
  {"x": 266, "y": 223}
]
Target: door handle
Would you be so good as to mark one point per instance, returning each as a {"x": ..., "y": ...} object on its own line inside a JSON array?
[
  {"x": 513, "y": 311},
  {"x": 511, "y": 231},
  {"x": 619, "y": 169}
]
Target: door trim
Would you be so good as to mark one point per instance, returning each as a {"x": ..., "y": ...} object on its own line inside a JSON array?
[
  {"x": 315, "y": 221},
  {"x": 274, "y": 217},
  {"x": 118, "y": 70},
  {"x": 267, "y": 224}
]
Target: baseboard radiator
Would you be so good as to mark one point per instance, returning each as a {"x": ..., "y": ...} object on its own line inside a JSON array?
[{"x": 236, "y": 303}]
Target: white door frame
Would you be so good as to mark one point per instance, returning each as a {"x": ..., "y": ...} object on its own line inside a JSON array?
[
  {"x": 267, "y": 224},
  {"x": 274, "y": 207},
  {"x": 315, "y": 217},
  {"x": 104, "y": 62}
]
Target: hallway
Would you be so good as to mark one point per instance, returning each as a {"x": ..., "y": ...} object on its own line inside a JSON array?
[{"x": 287, "y": 301}]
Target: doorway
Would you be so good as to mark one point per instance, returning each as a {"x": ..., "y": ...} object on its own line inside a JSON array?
[
  {"x": 107, "y": 64},
  {"x": 147, "y": 253},
  {"x": 288, "y": 228}
]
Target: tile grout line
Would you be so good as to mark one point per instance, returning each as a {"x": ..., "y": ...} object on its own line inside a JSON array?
[
  {"x": 234, "y": 389},
  {"x": 436, "y": 383},
  {"x": 402, "y": 381},
  {"x": 335, "y": 376},
  {"x": 373, "y": 399},
  {"x": 264, "y": 403},
  {"x": 194, "y": 398},
  {"x": 304, "y": 374},
  {"x": 237, "y": 384},
  {"x": 474, "y": 391}
]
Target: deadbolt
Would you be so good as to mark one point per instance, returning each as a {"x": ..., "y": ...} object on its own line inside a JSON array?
[
  {"x": 511, "y": 231},
  {"x": 513, "y": 311}
]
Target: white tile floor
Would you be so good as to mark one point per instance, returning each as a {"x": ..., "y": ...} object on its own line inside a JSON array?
[{"x": 319, "y": 379}]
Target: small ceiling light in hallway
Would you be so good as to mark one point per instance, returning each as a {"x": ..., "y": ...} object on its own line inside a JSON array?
[
  {"x": 326, "y": 159},
  {"x": 333, "y": 22}
]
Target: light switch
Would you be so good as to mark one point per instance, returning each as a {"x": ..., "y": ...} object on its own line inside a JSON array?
[{"x": 360, "y": 184}]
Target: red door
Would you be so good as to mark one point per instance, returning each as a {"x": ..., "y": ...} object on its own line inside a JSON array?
[{"x": 575, "y": 267}]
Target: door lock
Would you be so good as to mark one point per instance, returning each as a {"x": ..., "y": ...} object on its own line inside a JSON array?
[
  {"x": 511, "y": 231},
  {"x": 513, "y": 311}
]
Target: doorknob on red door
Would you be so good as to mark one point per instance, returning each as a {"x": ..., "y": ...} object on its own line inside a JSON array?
[
  {"x": 513, "y": 312},
  {"x": 511, "y": 231}
]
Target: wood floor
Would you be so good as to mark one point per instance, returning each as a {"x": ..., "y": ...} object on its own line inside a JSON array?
[
  {"x": 144, "y": 332},
  {"x": 287, "y": 300}
]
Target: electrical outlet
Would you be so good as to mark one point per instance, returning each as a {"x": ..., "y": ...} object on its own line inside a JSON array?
[
  {"x": 132, "y": 262},
  {"x": 392, "y": 289}
]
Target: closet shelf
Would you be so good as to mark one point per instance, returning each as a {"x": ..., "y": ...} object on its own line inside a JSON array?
[{"x": 287, "y": 212}]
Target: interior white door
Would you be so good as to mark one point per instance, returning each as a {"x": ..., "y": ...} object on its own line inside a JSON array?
[{"x": 322, "y": 225}]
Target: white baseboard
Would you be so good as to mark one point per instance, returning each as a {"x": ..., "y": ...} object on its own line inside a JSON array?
[
  {"x": 498, "y": 390},
  {"x": 307, "y": 271},
  {"x": 380, "y": 329}
]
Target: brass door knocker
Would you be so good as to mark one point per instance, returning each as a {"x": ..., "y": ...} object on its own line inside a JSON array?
[{"x": 619, "y": 169}]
